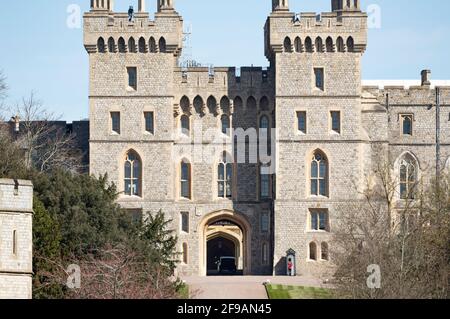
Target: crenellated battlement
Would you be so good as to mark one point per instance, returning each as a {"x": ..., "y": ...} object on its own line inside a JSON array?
[
  {"x": 310, "y": 32},
  {"x": 245, "y": 77},
  {"x": 16, "y": 196},
  {"x": 103, "y": 29}
]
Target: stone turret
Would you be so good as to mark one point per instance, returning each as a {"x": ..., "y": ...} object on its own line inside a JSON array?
[{"x": 16, "y": 239}]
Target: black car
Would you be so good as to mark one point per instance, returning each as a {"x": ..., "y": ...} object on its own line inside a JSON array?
[{"x": 227, "y": 265}]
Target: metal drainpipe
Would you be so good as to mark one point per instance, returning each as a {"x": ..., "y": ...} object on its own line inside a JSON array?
[{"x": 438, "y": 135}]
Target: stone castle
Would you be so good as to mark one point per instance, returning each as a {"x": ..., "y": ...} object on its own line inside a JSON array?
[
  {"x": 16, "y": 240},
  {"x": 167, "y": 135}
]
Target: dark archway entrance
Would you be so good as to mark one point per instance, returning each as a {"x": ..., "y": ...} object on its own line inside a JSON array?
[{"x": 219, "y": 247}]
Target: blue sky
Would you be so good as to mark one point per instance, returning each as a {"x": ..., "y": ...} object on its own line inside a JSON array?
[{"x": 40, "y": 53}]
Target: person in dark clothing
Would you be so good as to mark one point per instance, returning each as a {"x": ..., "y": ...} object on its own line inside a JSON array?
[{"x": 130, "y": 13}]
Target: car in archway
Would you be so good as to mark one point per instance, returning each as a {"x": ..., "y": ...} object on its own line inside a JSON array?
[{"x": 227, "y": 265}]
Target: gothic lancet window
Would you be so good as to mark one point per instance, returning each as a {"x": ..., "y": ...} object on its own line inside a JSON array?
[
  {"x": 319, "y": 175},
  {"x": 132, "y": 174},
  {"x": 408, "y": 177},
  {"x": 225, "y": 177}
]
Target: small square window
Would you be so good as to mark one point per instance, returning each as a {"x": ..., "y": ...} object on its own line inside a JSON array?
[
  {"x": 149, "y": 122},
  {"x": 407, "y": 124},
  {"x": 319, "y": 78},
  {"x": 319, "y": 220},
  {"x": 132, "y": 78},
  {"x": 115, "y": 122},
  {"x": 301, "y": 119},
  {"x": 336, "y": 121}
]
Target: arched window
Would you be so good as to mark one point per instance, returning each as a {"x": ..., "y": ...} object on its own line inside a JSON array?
[
  {"x": 101, "y": 45},
  {"x": 308, "y": 45},
  {"x": 185, "y": 253},
  {"x": 264, "y": 104},
  {"x": 132, "y": 174},
  {"x": 142, "y": 46},
  {"x": 162, "y": 45},
  {"x": 185, "y": 125},
  {"x": 225, "y": 104},
  {"x": 298, "y": 45},
  {"x": 350, "y": 44},
  {"x": 212, "y": 104},
  {"x": 225, "y": 121},
  {"x": 121, "y": 44},
  {"x": 312, "y": 251},
  {"x": 225, "y": 177},
  {"x": 238, "y": 103},
  {"x": 198, "y": 104},
  {"x": 408, "y": 177},
  {"x": 340, "y": 45},
  {"x": 319, "y": 174},
  {"x": 287, "y": 45},
  {"x": 111, "y": 45},
  {"x": 132, "y": 45},
  {"x": 185, "y": 180},
  {"x": 251, "y": 103},
  {"x": 264, "y": 123},
  {"x": 324, "y": 251},
  {"x": 185, "y": 104},
  {"x": 152, "y": 45},
  {"x": 319, "y": 44},
  {"x": 330, "y": 45}
]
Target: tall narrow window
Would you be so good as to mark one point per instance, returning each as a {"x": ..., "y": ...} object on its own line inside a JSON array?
[
  {"x": 185, "y": 180},
  {"x": 122, "y": 46},
  {"x": 340, "y": 45},
  {"x": 301, "y": 122},
  {"x": 185, "y": 125},
  {"x": 319, "y": 175},
  {"x": 287, "y": 45},
  {"x": 101, "y": 45},
  {"x": 162, "y": 45},
  {"x": 14, "y": 250},
  {"x": 408, "y": 177},
  {"x": 115, "y": 122},
  {"x": 324, "y": 251},
  {"x": 312, "y": 251},
  {"x": 149, "y": 122},
  {"x": 308, "y": 45},
  {"x": 185, "y": 222},
  {"x": 225, "y": 177},
  {"x": 185, "y": 253},
  {"x": 131, "y": 45},
  {"x": 407, "y": 124},
  {"x": 111, "y": 45},
  {"x": 335, "y": 121},
  {"x": 142, "y": 46},
  {"x": 319, "y": 220},
  {"x": 319, "y": 78},
  {"x": 265, "y": 222},
  {"x": 350, "y": 45},
  {"x": 265, "y": 186},
  {"x": 132, "y": 78},
  {"x": 265, "y": 253},
  {"x": 132, "y": 174},
  {"x": 225, "y": 121}
]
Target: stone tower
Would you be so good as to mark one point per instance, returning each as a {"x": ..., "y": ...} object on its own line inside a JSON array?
[
  {"x": 16, "y": 240},
  {"x": 317, "y": 61},
  {"x": 132, "y": 62}
]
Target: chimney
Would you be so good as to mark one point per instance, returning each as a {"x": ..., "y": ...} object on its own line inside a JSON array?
[{"x": 426, "y": 78}]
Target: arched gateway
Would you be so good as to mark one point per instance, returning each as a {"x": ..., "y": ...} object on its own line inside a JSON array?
[{"x": 224, "y": 234}]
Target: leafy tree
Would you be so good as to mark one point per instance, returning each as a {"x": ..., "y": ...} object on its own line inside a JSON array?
[
  {"x": 85, "y": 209},
  {"x": 46, "y": 251}
]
